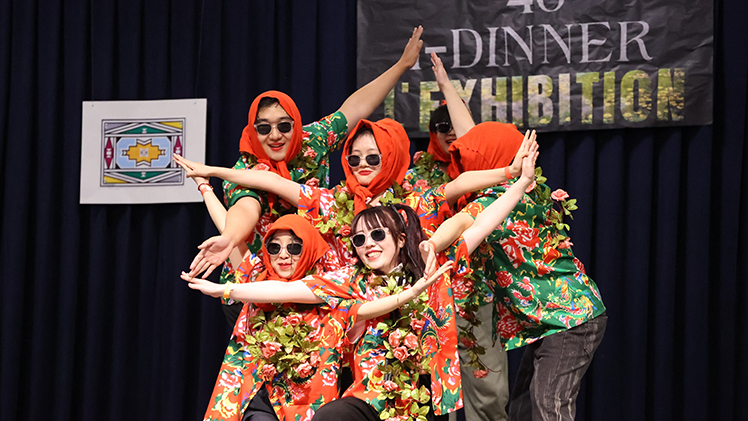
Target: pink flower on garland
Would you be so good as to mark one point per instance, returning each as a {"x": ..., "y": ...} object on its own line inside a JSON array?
[
  {"x": 345, "y": 230},
  {"x": 304, "y": 370},
  {"x": 292, "y": 319},
  {"x": 480, "y": 374},
  {"x": 559, "y": 195},
  {"x": 270, "y": 348},
  {"x": 389, "y": 386},
  {"x": 411, "y": 341},
  {"x": 395, "y": 338},
  {"x": 268, "y": 372},
  {"x": 401, "y": 353}
]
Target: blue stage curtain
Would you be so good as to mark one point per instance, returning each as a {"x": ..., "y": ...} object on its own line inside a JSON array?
[{"x": 96, "y": 323}]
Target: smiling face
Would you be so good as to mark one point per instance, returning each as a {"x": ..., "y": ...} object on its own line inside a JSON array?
[
  {"x": 446, "y": 139},
  {"x": 284, "y": 263},
  {"x": 362, "y": 146},
  {"x": 275, "y": 144},
  {"x": 381, "y": 256}
]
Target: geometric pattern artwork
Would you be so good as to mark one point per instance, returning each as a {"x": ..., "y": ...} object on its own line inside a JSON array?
[{"x": 138, "y": 152}]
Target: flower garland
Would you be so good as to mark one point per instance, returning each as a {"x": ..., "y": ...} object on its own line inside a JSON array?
[
  {"x": 404, "y": 354},
  {"x": 341, "y": 214},
  {"x": 427, "y": 168},
  {"x": 559, "y": 204},
  {"x": 284, "y": 344}
]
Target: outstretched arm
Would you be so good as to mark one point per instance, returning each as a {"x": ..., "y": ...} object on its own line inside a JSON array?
[
  {"x": 471, "y": 181},
  {"x": 490, "y": 218},
  {"x": 218, "y": 214},
  {"x": 376, "y": 308},
  {"x": 253, "y": 179},
  {"x": 256, "y": 292},
  {"x": 363, "y": 102},
  {"x": 462, "y": 121}
]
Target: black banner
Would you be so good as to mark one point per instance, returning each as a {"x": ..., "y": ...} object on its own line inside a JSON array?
[{"x": 550, "y": 65}]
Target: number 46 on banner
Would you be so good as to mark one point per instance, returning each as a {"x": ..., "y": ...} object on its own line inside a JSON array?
[{"x": 527, "y": 5}]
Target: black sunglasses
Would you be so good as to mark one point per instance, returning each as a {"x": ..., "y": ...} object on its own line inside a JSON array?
[
  {"x": 266, "y": 128},
  {"x": 443, "y": 127},
  {"x": 294, "y": 249},
  {"x": 372, "y": 160},
  {"x": 377, "y": 235}
]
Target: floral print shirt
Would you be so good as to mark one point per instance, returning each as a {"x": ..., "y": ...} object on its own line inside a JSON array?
[
  {"x": 257, "y": 354},
  {"x": 311, "y": 166},
  {"x": 540, "y": 287},
  {"x": 389, "y": 354}
]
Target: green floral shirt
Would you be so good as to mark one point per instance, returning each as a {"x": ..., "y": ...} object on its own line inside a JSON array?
[{"x": 540, "y": 287}]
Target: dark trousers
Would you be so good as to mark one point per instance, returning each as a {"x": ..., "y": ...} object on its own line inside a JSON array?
[
  {"x": 260, "y": 408},
  {"x": 551, "y": 371}
]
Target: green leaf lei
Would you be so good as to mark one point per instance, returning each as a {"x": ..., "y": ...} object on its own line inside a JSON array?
[
  {"x": 404, "y": 356},
  {"x": 425, "y": 170},
  {"x": 284, "y": 343}
]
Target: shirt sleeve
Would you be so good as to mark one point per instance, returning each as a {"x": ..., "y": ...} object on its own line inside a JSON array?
[{"x": 233, "y": 192}]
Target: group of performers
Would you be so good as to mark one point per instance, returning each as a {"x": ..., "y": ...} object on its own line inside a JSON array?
[{"x": 416, "y": 279}]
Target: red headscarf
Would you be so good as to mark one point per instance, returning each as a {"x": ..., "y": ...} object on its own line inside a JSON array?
[
  {"x": 313, "y": 247},
  {"x": 486, "y": 146},
  {"x": 250, "y": 143},
  {"x": 394, "y": 146}
]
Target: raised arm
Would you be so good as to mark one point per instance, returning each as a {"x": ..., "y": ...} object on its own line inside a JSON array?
[
  {"x": 459, "y": 114},
  {"x": 363, "y": 102},
  {"x": 376, "y": 308},
  {"x": 253, "y": 179},
  {"x": 256, "y": 292},
  {"x": 471, "y": 181},
  {"x": 490, "y": 218}
]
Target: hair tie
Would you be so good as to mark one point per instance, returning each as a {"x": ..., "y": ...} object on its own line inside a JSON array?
[
  {"x": 403, "y": 215},
  {"x": 443, "y": 102}
]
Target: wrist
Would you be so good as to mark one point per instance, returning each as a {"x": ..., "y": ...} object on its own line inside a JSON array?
[
  {"x": 508, "y": 173},
  {"x": 227, "y": 291}
]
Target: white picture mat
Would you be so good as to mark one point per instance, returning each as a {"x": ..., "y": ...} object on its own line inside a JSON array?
[{"x": 192, "y": 111}]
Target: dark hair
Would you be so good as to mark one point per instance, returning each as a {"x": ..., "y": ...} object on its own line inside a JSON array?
[
  {"x": 266, "y": 102},
  {"x": 440, "y": 115},
  {"x": 360, "y": 132},
  {"x": 390, "y": 218}
]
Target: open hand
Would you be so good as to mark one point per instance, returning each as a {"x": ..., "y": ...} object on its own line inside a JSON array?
[
  {"x": 412, "y": 49},
  {"x": 193, "y": 169},
  {"x": 213, "y": 252},
  {"x": 428, "y": 254},
  {"x": 424, "y": 283},
  {"x": 529, "y": 146},
  {"x": 203, "y": 285}
]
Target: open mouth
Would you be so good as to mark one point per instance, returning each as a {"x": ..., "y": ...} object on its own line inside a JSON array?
[
  {"x": 276, "y": 146},
  {"x": 373, "y": 254}
]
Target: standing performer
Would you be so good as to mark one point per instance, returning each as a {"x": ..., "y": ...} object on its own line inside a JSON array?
[{"x": 274, "y": 139}]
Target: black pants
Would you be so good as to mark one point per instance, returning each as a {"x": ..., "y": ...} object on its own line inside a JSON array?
[{"x": 260, "y": 408}]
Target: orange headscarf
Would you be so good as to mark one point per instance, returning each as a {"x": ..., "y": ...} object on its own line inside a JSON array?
[
  {"x": 486, "y": 146},
  {"x": 394, "y": 146},
  {"x": 250, "y": 143},
  {"x": 436, "y": 150},
  {"x": 313, "y": 247}
]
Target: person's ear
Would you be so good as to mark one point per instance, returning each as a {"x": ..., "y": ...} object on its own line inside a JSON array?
[{"x": 401, "y": 241}]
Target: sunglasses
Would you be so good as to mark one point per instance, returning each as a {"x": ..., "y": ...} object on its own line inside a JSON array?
[
  {"x": 294, "y": 249},
  {"x": 266, "y": 128},
  {"x": 443, "y": 127},
  {"x": 372, "y": 160},
  {"x": 378, "y": 235}
]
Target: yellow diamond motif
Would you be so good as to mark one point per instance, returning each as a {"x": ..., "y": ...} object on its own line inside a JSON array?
[{"x": 144, "y": 151}]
